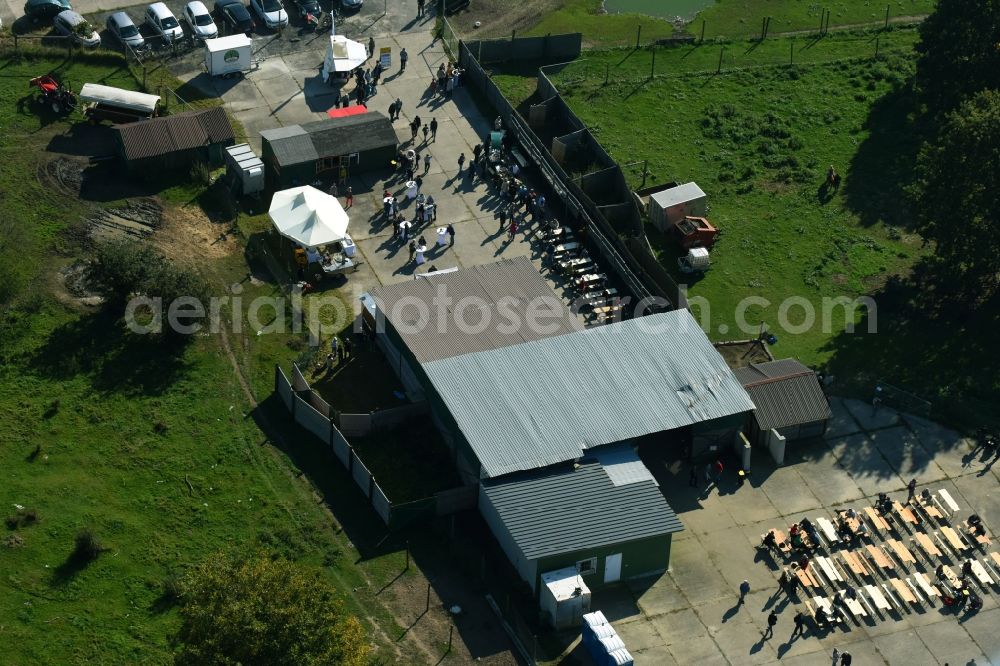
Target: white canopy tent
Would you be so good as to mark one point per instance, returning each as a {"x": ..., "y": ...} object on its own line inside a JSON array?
[
  {"x": 343, "y": 56},
  {"x": 308, "y": 216}
]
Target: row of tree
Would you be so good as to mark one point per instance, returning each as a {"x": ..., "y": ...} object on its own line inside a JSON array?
[{"x": 956, "y": 192}]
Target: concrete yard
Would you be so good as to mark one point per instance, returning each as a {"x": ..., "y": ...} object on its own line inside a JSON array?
[{"x": 691, "y": 614}]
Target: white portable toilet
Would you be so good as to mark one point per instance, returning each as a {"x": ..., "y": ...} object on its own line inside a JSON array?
[
  {"x": 245, "y": 168},
  {"x": 564, "y": 597}
]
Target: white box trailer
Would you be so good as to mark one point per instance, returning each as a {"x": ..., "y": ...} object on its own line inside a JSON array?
[{"x": 229, "y": 55}]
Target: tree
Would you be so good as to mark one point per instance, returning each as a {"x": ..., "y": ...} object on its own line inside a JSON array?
[
  {"x": 955, "y": 193},
  {"x": 265, "y": 611},
  {"x": 959, "y": 52}
]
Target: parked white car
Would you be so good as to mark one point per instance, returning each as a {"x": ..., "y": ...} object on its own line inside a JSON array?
[
  {"x": 163, "y": 22},
  {"x": 74, "y": 26},
  {"x": 200, "y": 21},
  {"x": 271, "y": 12}
]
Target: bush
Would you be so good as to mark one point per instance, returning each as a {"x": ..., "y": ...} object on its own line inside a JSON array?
[
  {"x": 87, "y": 547},
  {"x": 200, "y": 174}
]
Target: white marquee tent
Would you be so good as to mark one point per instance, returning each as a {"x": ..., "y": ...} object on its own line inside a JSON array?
[
  {"x": 308, "y": 216},
  {"x": 343, "y": 56}
]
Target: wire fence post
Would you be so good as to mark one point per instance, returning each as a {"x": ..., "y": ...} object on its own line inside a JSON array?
[
  {"x": 652, "y": 65},
  {"x": 791, "y": 51},
  {"x": 887, "y": 17},
  {"x": 427, "y": 607},
  {"x": 607, "y": 72},
  {"x": 702, "y": 40},
  {"x": 876, "y": 46},
  {"x": 721, "y": 52},
  {"x": 638, "y": 33}
]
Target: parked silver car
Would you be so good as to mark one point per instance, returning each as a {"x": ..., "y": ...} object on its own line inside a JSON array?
[
  {"x": 77, "y": 28},
  {"x": 271, "y": 12},
  {"x": 124, "y": 30},
  {"x": 200, "y": 20},
  {"x": 163, "y": 22}
]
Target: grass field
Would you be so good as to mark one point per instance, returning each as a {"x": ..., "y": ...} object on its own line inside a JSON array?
[
  {"x": 759, "y": 141},
  {"x": 737, "y": 18},
  {"x": 155, "y": 448}
]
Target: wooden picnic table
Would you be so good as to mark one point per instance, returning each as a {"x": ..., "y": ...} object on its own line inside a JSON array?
[
  {"x": 879, "y": 557},
  {"x": 930, "y": 509},
  {"x": 824, "y": 603},
  {"x": 927, "y": 545},
  {"x": 901, "y": 551},
  {"x": 970, "y": 531},
  {"x": 828, "y": 530},
  {"x": 876, "y": 520},
  {"x": 953, "y": 539},
  {"x": 903, "y": 590},
  {"x": 806, "y": 578},
  {"x": 950, "y": 576},
  {"x": 995, "y": 556},
  {"x": 853, "y": 524},
  {"x": 925, "y": 585},
  {"x": 946, "y": 496},
  {"x": 979, "y": 571},
  {"x": 854, "y": 563},
  {"x": 857, "y": 610},
  {"x": 828, "y": 569},
  {"x": 905, "y": 513},
  {"x": 876, "y": 594}
]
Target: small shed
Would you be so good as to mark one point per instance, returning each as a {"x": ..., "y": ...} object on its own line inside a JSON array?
[
  {"x": 175, "y": 142},
  {"x": 609, "y": 522},
  {"x": 244, "y": 169},
  {"x": 328, "y": 149},
  {"x": 667, "y": 207},
  {"x": 788, "y": 399}
]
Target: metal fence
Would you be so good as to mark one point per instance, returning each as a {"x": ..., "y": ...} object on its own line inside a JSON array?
[{"x": 307, "y": 409}]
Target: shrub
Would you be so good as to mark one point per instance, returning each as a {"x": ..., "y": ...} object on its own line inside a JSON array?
[
  {"x": 87, "y": 547},
  {"x": 200, "y": 174}
]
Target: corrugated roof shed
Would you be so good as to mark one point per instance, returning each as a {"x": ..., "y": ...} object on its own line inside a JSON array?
[
  {"x": 511, "y": 283},
  {"x": 785, "y": 392},
  {"x": 352, "y": 134},
  {"x": 290, "y": 145},
  {"x": 544, "y": 402},
  {"x": 169, "y": 134},
  {"x": 677, "y": 195},
  {"x": 552, "y": 512}
]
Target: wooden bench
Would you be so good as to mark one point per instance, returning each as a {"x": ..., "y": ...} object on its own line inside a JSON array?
[
  {"x": 927, "y": 545},
  {"x": 877, "y": 521},
  {"x": 903, "y": 590},
  {"x": 901, "y": 551}
]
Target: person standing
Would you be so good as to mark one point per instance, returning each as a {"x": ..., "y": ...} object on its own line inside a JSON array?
[
  {"x": 717, "y": 468},
  {"x": 371, "y": 47},
  {"x": 744, "y": 590},
  {"x": 451, "y": 235},
  {"x": 512, "y": 229},
  {"x": 350, "y": 196},
  {"x": 413, "y": 131},
  {"x": 333, "y": 190},
  {"x": 420, "y": 8},
  {"x": 427, "y": 160},
  {"x": 413, "y": 249},
  {"x": 911, "y": 489},
  {"x": 772, "y": 619},
  {"x": 416, "y": 119},
  {"x": 846, "y": 658},
  {"x": 800, "y": 624},
  {"x": 335, "y": 345},
  {"x": 835, "y": 657},
  {"x": 399, "y": 107},
  {"x": 392, "y": 111},
  {"x": 427, "y": 131},
  {"x": 403, "y": 57},
  {"x": 434, "y": 129},
  {"x": 348, "y": 347},
  {"x": 461, "y": 162},
  {"x": 341, "y": 352},
  {"x": 476, "y": 152}
]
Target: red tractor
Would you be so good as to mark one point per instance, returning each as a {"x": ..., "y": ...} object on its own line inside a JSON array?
[{"x": 53, "y": 94}]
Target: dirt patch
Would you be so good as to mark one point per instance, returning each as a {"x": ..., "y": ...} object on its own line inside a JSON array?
[
  {"x": 64, "y": 174},
  {"x": 188, "y": 236},
  {"x": 136, "y": 220},
  {"x": 498, "y": 18},
  {"x": 742, "y": 354},
  {"x": 70, "y": 286}
]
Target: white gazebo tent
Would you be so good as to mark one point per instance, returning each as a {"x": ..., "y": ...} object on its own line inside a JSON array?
[
  {"x": 308, "y": 217},
  {"x": 343, "y": 56}
]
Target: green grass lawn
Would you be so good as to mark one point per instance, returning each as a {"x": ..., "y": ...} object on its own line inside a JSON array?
[
  {"x": 758, "y": 141},
  {"x": 153, "y": 447},
  {"x": 600, "y": 29},
  {"x": 737, "y": 18}
]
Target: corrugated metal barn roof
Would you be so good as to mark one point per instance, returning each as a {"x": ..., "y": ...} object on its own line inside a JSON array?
[
  {"x": 169, "y": 134},
  {"x": 351, "y": 134},
  {"x": 544, "y": 402},
  {"x": 516, "y": 281},
  {"x": 562, "y": 511},
  {"x": 290, "y": 145},
  {"x": 785, "y": 392}
]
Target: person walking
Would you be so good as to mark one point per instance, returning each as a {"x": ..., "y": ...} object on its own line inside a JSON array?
[
  {"x": 911, "y": 489},
  {"x": 335, "y": 345},
  {"x": 744, "y": 590},
  {"x": 371, "y": 47},
  {"x": 348, "y": 347},
  {"x": 512, "y": 229},
  {"x": 800, "y": 624},
  {"x": 413, "y": 130},
  {"x": 341, "y": 354},
  {"x": 399, "y": 107},
  {"x": 427, "y": 161},
  {"x": 420, "y": 8},
  {"x": 476, "y": 152},
  {"x": 846, "y": 658},
  {"x": 434, "y": 129},
  {"x": 418, "y": 179},
  {"x": 503, "y": 218},
  {"x": 349, "y": 197},
  {"x": 403, "y": 57},
  {"x": 417, "y": 120},
  {"x": 772, "y": 619},
  {"x": 451, "y": 235},
  {"x": 461, "y": 162},
  {"x": 427, "y": 130},
  {"x": 835, "y": 657},
  {"x": 392, "y": 111},
  {"x": 413, "y": 249}
]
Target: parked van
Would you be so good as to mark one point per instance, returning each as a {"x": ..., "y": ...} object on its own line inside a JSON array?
[{"x": 163, "y": 22}]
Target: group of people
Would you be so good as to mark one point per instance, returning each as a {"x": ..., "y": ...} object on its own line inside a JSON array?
[
  {"x": 446, "y": 79},
  {"x": 366, "y": 82}
]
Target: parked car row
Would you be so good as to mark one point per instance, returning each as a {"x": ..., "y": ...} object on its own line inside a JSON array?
[{"x": 202, "y": 25}]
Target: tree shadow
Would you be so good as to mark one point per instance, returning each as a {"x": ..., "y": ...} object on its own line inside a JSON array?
[
  {"x": 115, "y": 359},
  {"x": 883, "y": 166}
]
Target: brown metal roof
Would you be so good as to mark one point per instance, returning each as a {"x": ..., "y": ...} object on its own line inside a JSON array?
[
  {"x": 785, "y": 393},
  {"x": 169, "y": 134},
  {"x": 516, "y": 280}
]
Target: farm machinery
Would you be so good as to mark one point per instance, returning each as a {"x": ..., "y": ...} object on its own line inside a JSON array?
[{"x": 53, "y": 94}]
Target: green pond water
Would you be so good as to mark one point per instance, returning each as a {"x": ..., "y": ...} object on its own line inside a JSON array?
[{"x": 665, "y": 9}]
